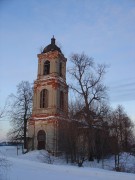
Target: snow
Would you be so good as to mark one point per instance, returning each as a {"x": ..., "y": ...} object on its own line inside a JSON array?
[{"x": 30, "y": 166}]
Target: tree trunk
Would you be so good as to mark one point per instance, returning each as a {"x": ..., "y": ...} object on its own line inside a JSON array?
[{"x": 25, "y": 129}]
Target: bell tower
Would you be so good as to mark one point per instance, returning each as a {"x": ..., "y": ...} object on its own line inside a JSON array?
[{"x": 50, "y": 101}]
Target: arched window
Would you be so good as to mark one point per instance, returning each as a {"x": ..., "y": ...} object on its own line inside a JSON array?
[
  {"x": 61, "y": 100},
  {"x": 44, "y": 98},
  {"x": 46, "y": 69},
  {"x": 41, "y": 137},
  {"x": 60, "y": 69}
]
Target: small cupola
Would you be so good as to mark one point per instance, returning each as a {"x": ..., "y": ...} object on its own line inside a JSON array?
[{"x": 52, "y": 47}]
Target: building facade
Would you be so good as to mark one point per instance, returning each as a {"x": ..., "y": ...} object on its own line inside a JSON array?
[{"x": 50, "y": 100}]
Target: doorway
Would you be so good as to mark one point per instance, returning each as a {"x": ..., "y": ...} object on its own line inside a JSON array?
[{"x": 41, "y": 137}]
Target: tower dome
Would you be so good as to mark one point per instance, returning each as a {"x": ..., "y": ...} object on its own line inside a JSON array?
[{"x": 51, "y": 47}]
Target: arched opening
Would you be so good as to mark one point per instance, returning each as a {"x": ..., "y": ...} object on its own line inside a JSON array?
[
  {"x": 46, "y": 69},
  {"x": 60, "y": 69},
  {"x": 61, "y": 100},
  {"x": 41, "y": 137},
  {"x": 44, "y": 98}
]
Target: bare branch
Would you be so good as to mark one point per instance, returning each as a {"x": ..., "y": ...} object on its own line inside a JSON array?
[
  {"x": 21, "y": 109},
  {"x": 88, "y": 81}
]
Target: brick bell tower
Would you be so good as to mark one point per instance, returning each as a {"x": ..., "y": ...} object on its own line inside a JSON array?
[{"x": 50, "y": 101}]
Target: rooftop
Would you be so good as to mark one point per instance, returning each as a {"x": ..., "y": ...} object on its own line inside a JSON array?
[{"x": 51, "y": 47}]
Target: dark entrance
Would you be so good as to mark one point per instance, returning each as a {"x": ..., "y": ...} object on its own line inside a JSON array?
[{"x": 41, "y": 137}]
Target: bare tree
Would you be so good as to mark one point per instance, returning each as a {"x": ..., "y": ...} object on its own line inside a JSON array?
[
  {"x": 88, "y": 85},
  {"x": 121, "y": 129},
  {"x": 3, "y": 109},
  {"x": 21, "y": 108},
  {"x": 1, "y": 113}
]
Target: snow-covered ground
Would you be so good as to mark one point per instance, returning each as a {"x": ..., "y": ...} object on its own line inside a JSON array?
[{"x": 33, "y": 166}]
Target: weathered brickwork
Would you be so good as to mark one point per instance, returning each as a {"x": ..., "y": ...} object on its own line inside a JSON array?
[{"x": 47, "y": 119}]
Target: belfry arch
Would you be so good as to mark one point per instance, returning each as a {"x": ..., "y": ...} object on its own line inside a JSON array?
[{"x": 46, "y": 68}]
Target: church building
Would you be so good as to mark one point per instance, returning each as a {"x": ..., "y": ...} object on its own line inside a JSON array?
[{"x": 50, "y": 100}]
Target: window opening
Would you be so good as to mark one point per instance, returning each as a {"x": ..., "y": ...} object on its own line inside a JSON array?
[
  {"x": 61, "y": 100},
  {"x": 60, "y": 70},
  {"x": 44, "y": 98},
  {"x": 46, "y": 68}
]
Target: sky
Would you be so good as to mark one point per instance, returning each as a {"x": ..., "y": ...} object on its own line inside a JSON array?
[{"x": 102, "y": 29}]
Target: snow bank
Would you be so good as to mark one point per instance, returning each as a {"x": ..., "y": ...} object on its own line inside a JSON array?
[{"x": 31, "y": 166}]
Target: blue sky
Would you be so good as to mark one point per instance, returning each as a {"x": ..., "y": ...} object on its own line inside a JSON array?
[{"x": 103, "y": 29}]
